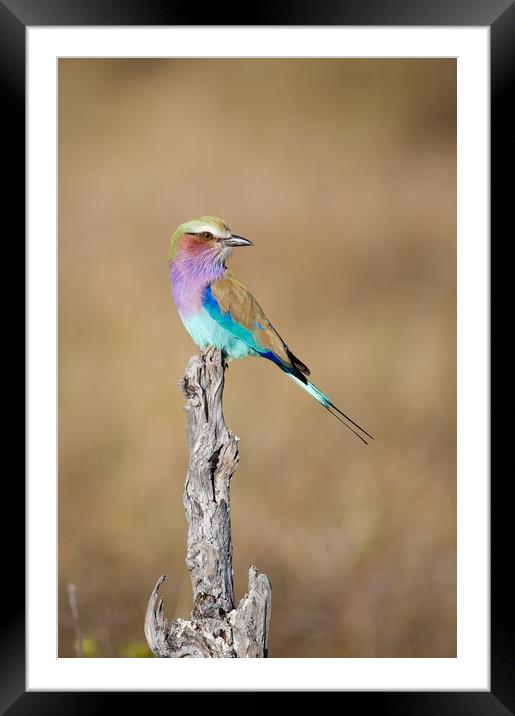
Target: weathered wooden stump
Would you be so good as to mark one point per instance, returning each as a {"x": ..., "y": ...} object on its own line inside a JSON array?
[{"x": 217, "y": 628}]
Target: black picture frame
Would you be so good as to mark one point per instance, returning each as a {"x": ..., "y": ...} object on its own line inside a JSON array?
[{"x": 499, "y": 15}]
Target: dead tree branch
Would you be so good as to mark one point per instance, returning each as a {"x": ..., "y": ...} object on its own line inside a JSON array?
[
  {"x": 217, "y": 628},
  {"x": 74, "y": 609}
]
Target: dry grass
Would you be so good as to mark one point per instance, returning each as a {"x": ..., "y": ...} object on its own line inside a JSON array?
[{"x": 342, "y": 172}]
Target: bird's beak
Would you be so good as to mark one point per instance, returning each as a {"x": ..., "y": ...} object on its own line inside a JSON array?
[{"x": 235, "y": 240}]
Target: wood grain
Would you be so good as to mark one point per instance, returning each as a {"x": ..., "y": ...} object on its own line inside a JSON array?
[{"x": 217, "y": 628}]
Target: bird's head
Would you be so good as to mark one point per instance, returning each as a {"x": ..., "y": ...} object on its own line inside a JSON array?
[{"x": 206, "y": 237}]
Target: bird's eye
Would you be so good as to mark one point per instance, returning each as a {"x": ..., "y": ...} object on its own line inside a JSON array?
[{"x": 206, "y": 235}]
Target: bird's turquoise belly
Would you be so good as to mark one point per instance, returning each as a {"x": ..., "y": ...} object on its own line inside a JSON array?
[{"x": 205, "y": 331}]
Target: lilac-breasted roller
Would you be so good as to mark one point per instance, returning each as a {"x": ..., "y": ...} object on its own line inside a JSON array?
[{"x": 217, "y": 309}]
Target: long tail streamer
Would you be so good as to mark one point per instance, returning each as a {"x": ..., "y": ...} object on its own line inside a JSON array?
[{"x": 328, "y": 404}]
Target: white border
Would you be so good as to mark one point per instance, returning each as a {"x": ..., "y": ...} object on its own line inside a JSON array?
[{"x": 470, "y": 670}]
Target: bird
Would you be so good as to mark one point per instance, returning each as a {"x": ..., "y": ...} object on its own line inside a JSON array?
[{"x": 217, "y": 310}]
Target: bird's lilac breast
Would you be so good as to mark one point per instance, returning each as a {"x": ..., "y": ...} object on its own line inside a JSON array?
[{"x": 189, "y": 283}]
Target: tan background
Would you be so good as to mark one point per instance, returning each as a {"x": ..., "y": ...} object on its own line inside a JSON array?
[{"x": 342, "y": 173}]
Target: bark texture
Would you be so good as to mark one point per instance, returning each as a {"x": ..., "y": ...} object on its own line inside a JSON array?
[{"x": 217, "y": 628}]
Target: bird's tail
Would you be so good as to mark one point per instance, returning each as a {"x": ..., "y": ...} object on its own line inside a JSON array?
[{"x": 324, "y": 400}]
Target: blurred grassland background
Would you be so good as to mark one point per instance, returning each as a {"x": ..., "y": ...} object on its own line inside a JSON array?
[{"x": 343, "y": 174}]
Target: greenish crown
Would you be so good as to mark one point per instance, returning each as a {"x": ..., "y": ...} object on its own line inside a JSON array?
[{"x": 214, "y": 224}]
